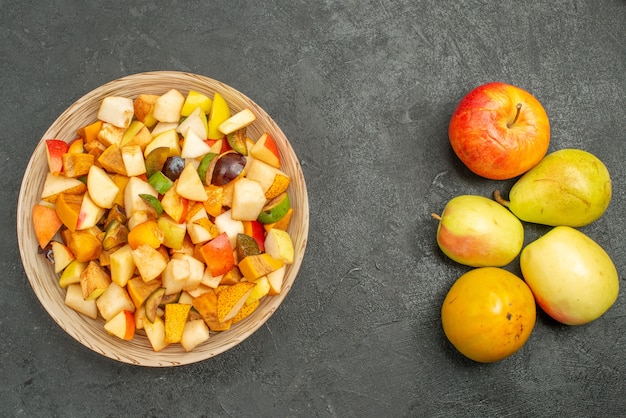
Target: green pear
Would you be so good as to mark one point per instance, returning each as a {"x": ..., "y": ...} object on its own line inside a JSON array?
[
  {"x": 568, "y": 187},
  {"x": 573, "y": 279},
  {"x": 478, "y": 232}
]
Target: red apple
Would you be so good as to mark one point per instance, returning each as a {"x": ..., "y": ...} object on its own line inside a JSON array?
[
  {"x": 55, "y": 148},
  {"x": 499, "y": 131}
]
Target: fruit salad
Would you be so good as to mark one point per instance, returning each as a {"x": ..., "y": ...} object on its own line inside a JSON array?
[{"x": 163, "y": 215}]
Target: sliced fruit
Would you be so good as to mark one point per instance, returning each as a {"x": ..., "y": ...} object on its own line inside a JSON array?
[
  {"x": 160, "y": 182},
  {"x": 102, "y": 189},
  {"x": 55, "y": 185},
  {"x": 155, "y": 160},
  {"x": 175, "y": 320},
  {"x": 71, "y": 274},
  {"x": 255, "y": 230},
  {"x": 155, "y": 331},
  {"x": 218, "y": 255},
  {"x": 85, "y": 246},
  {"x": 167, "y": 107},
  {"x": 121, "y": 325},
  {"x": 204, "y": 165},
  {"x": 116, "y": 234},
  {"x": 275, "y": 209},
  {"x": 231, "y": 299},
  {"x": 55, "y": 148},
  {"x": 167, "y": 139},
  {"x": 76, "y": 165},
  {"x": 117, "y": 111},
  {"x": 195, "y": 333},
  {"x": 112, "y": 161},
  {"x": 152, "y": 303},
  {"x": 94, "y": 280},
  {"x": 194, "y": 100},
  {"x": 265, "y": 149},
  {"x": 248, "y": 200},
  {"x": 194, "y": 145},
  {"x": 122, "y": 265},
  {"x": 254, "y": 266},
  {"x": 143, "y": 105},
  {"x": 154, "y": 202},
  {"x": 63, "y": 256},
  {"x": 261, "y": 289},
  {"x": 175, "y": 205},
  {"x": 89, "y": 214},
  {"x": 149, "y": 262},
  {"x": 246, "y": 245},
  {"x": 114, "y": 300},
  {"x": 46, "y": 222},
  {"x": 190, "y": 186},
  {"x": 219, "y": 113},
  {"x": 279, "y": 245},
  {"x": 237, "y": 121},
  {"x": 139, "y": 291},
  {"x": 173, "y": 232},
  {"x": 74, "y": 299},
  {"x": 175, "y": 275},
  {"x": 134, "y": 162},
  {"x": 276, "y": 279},
  {"x": 246, "y": 310},
  {"x": 146, "y": 233}
]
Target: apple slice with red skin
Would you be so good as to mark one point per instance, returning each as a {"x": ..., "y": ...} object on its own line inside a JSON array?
[{"x": 55, "y": 148}]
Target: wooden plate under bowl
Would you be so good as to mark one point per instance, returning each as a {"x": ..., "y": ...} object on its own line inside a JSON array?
[{"x": 44, "y": 280}]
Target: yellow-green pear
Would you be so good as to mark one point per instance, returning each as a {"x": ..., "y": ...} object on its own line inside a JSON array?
[
  {"x": 568, "y": 187},
  {"x": 573, "y": 279},
  {"x": 478, "y": 232}
]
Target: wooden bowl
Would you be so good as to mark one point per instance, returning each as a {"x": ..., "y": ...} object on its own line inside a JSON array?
[{"x": 44, "y": 280}]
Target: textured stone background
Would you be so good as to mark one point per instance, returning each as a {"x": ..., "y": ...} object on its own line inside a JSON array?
[{"x": 364, "y": 90}]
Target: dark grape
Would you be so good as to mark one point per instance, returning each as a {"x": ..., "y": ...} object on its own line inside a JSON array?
[
  {"x": 173, "y": 167},
  {"x": 228, "y": 168}
]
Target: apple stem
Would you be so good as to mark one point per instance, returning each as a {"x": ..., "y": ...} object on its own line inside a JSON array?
[
  {"x": 498, "y": 198},
  {"x": 437, "y": 217},
  {"x": 519, "y": 108}
]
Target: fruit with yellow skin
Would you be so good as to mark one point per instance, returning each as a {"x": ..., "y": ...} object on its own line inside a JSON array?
[{"x": 488, "y": 314}]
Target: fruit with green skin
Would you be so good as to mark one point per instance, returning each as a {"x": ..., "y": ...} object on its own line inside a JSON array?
[
  {"x": 499, "y": 131},
  {"x": 573, "y": 279},
  {"x": 568, "y": 187},
  {"x": 478, "y": 232}
]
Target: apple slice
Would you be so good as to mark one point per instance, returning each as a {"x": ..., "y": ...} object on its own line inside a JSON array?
[
  {"x": 54, "y": 185},
  {"x": 218, "y": 255},
  {"x": 134, "y": 162},
  {"x": 175, "y": 205},
  {"x": 194, "y": 146},
  {"x": 46, "y": 222},
  {"x": 195, "y": 333},
  {"x": 175, "y": 275},
  {"x": 62, "y": 256},
  {"x": 55, "y": 148},
  {"x": 190, "y": 186},
  {"x": 167, "y": 107},
  {"x": 102, "y": 189},
  {"x": 149, "y": 262},
  {"x": 168, "y": 139},
  {"x": 121, "y": 325},
  {"x": 194, "y": 100},
  {"x": 114, "y": 300},
  {"x": 238, "y": 121},
  {"x": 219, "y": 113},
  {"x": 132, "y": 199},
  {"x": 231, "y": 227},
  {"x": 248, "y": 200},
  {"x": 276, "y": 279},
  {"x": 173, "y": 232},
  {"x": 74, "y": 299},
  {"x": 122, "y": 265},
  {"x": 231, "y": 299},
  {"x": 94, "y": 280},
  {"x": 116, "y": 110},
  {"x": 71, "y": 274},
  {"x": 279, "y": 245},
  {"x": 155, "y": 331},
  {"x": 196, "y": 271},
  {"x": 265, "y": 149},
  {"x": 196, "y": 121},
  {"x": 90, "y": 213}
]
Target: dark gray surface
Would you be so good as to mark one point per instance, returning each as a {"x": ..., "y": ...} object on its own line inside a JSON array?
[{"x": 364, "y": 90}]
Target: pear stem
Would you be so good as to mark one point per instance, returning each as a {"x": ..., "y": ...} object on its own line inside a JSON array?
[
  {"x": 519, "y": 108},
  {"x": 437, "y": 217},
  {"x": 498, "y": 198}
]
